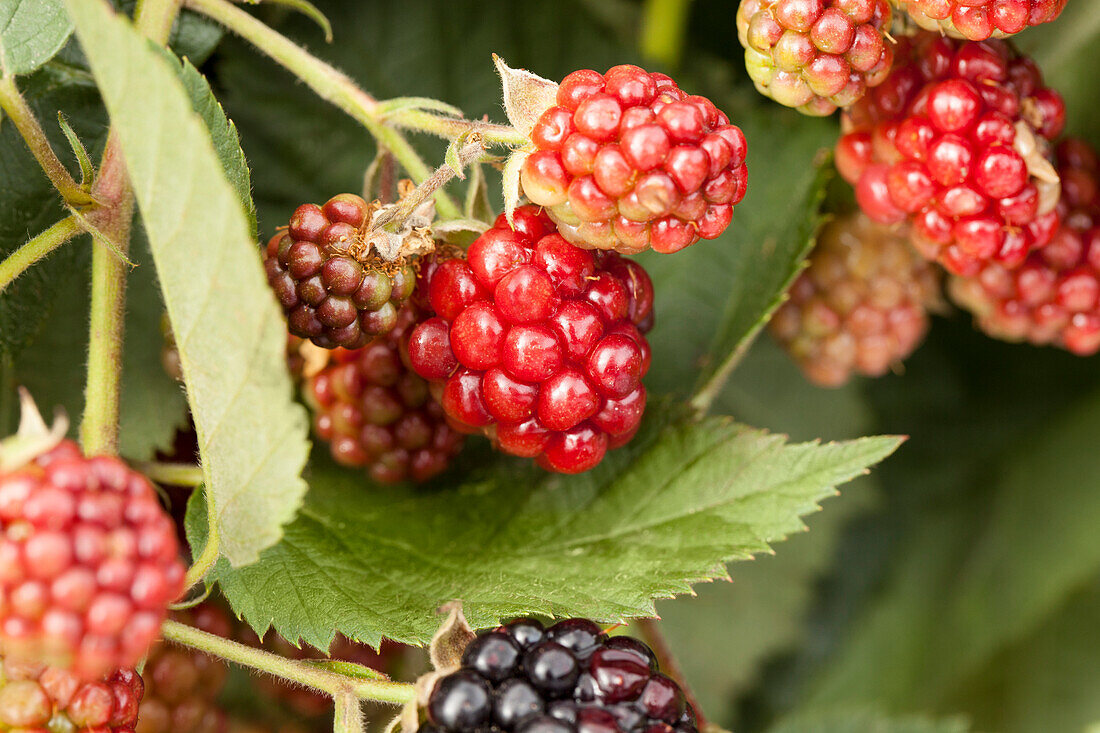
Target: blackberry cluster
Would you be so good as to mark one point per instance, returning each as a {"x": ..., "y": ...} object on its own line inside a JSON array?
[
  {"x": 182, "y": 685},
  {"x": 329, "y": 296},
  {"x": 627, "y": 161},
  {"x": 954, "y": 143},
  {"x": 375, "y": 412},
  {"x": 977, "y": 20},
  {"x": 538, "y": 343},
  {"x": 1054, "y": 297},
  {"x": 861, "y": 306},
  {"x": 815, "y": 55},
  {"x": 89, "y": 562},
  {"x": 35, "y": 698},
  {"x": 570, "y": 677}
]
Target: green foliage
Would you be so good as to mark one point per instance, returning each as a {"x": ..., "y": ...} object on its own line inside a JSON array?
[
  {"x": 33, "y": 31},
  {"x": 653, "y": 518},
  {"x": 867, "y": 722},
  {"x": 228, "y": 328}
]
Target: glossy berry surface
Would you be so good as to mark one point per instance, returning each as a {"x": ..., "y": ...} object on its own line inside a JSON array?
[
  {"x": 1054, "y": 298},
  {"x": 89, "y": 562},
  {"x": 567, "y": 678},
  {"x": 627, "y": 161},
  {"x": 182, "y": 685},
  {"x": 977, "y": 20},
  {"x": 537, "y": 343},
  {"x": 329, "y": 296},
  {"x": 956, "y": 143},
  {"x": 376, "y": 413},
  {"x": 39, "y": 699},
  {"x": 860, "y": 307},
  {"x": 815, "y": 55}
]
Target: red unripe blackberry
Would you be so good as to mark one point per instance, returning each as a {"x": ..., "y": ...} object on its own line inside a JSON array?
[
  {"x": 815, "y": 55},
  {"x": 89, "y": 562},
  {"x": 182, "y": 685},
  {"x": 567, "y": 678},
  {"x": 537, "y": 343},
  {"x": 977, "y": 20},
  {"x": 39, "y": 699},
  {"x": 627, "y": 161},
  {"x": 330, "y": 296},
  {"x": 860, "y": 307},
  {"x": 376, "y": 413},
  {"x": 955, "y": 142},
  {"x": 1054, "y": 297}
]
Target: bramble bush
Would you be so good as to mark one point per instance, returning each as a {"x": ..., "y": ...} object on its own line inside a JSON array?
[{"x": 363, "y": 325}]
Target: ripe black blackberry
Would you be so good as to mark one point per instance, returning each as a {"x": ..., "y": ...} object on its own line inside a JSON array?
[{"x": 567, "y": 678}]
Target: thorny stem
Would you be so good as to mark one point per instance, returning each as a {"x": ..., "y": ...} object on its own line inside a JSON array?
[
  {"x": 18, "y": 261},
  {"x": 328, "y": 83},
  {"x": 651, "y": 632},
  {"x": 450, "y": 127},
  {"x": 16, "y": 108},
  {"x": 308, "y": 675}
]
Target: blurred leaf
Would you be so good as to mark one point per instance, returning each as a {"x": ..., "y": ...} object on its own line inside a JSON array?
[
  {"x": 867, "y": 722},
  {"x": 1046, "y": 683},
  {"x": 33, "y": 31},
  {"x": 981, "y": 571},
  {"x": 665, "y": 512},
  {"x": 228, "y": 328}
]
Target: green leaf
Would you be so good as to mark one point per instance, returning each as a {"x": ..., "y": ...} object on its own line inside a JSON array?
[
  {"x": 227, "y": 143},
  {"x": 982, "y": 572},
  {"x": 228, "y": 328},
  {"x": 307, "y": 9},
  {"x": 867, "y": 722},
  {"x": 650, "y": 521},
  {"x": 33, "y": 31}
]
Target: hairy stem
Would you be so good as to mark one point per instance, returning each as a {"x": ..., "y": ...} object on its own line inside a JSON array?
[
  {"x": 305, "y": 674},
  {"x": 99, "y": 427},
  {"x": 18, "y": 261},
  {"x": 664, "y": 23},
  {"x": 450, "y": 127},
  {"x": 22, "y": 116},
  {"x": 173, "y": 474},
  {"x": 651, "y": 632},
  {"x": 349, "y": 714},
  {"x": 154, "y": 18},
  {"x": 328, "y": 83}
]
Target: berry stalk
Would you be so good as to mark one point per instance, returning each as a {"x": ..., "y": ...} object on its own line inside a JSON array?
[
  {"x": 173, "y": 474},
  {"x": 22, "y": 116},
  {"x": 18, "y": 261},
  {"x": 349, "y": 714},
  {"x": 328, "y": 682},
  {"x": 336, "y": 87}
]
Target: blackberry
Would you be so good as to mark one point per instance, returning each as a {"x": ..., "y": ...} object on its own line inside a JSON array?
[
  {"x": 333, "y": 292},
  {"x": 955, "y": 143},
  {"x": 537, "y": 343},
  {"x": 572, "y": 677},
  {"x": 182, "y": 685},
  {"x": 375, "y": 412},
  {"x": 627, "y": 161},
  {"x": 815, "y": 55},
  {"x": 977, "y": 20},
  {"x": 1054, "y": 297},
  {"x": 89, "y": 561},
  {"x": 861, "y": 306},
  {"x": 35, "y": 698}
]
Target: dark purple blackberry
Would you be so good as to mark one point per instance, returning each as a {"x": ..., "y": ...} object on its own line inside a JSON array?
[
  {"x": 332, "y": 294},
  {"x": 568, "y": 678}
]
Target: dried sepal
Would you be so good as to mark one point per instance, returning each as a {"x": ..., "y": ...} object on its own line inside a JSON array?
[
  {"x": 526, "y": 95},
  {"x": 34, "y": 437},
  {"x": 510, "y": 181}
]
